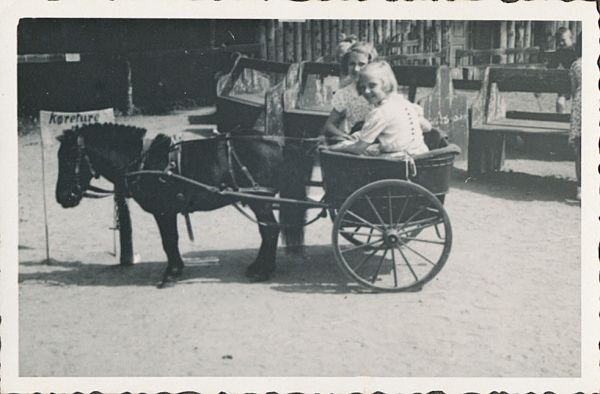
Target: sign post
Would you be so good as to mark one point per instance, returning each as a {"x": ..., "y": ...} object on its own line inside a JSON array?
[{"x": 52, "y": 124}]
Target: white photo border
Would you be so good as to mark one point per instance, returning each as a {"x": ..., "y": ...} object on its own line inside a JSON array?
[{"x": 283, "y": 9}]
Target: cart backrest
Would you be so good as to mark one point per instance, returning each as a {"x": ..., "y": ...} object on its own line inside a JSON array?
[{"x": 249, "y": 94}]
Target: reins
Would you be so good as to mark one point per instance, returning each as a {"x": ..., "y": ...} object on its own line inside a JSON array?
[{"x": 174, "y": 163}]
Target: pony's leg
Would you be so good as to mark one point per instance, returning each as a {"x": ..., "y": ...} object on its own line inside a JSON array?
[
  {"x": 124, "y": 220},
  {"x": 264, "y": 264},
  {"x": 167, "y": 225}
]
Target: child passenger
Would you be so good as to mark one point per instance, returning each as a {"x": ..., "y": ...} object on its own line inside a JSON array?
[{"x": 394, "y": 124}]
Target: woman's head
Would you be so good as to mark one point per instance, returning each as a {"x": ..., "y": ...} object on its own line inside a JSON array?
[
  {"x": 564, "y": 37},
  {"x": 344, "y": 46},
  {"x": 578, "y": 46},
  {"x": 359, "y": 55},
  {"x": 376, "y": 82}
]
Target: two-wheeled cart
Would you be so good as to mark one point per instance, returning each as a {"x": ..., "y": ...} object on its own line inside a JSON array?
[{"x": 390, "y": 229}]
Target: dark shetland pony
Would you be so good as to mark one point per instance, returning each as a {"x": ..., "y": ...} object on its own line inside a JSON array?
[{"x": 112, "y": 151}]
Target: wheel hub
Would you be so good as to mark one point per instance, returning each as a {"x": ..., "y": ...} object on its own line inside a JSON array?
[{"x": 392, "y": 237}]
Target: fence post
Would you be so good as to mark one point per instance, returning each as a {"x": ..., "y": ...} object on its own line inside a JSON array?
[
  {"x": 306, "y": 42},
  {"x": 262, "y": 39},
  {"x": 503, "y": 41},
  {"x": 326, "y": 46},
  {"x": 298, "y": 41},
  {"x": 511, "y": 40},
  {"x": 271, "y": 40},
  {"x": 527, "y": 40},
  {"x": 129, "y": 103},
  {"x": 279, "y": 41},
  {"x": 288, "y": 31}
]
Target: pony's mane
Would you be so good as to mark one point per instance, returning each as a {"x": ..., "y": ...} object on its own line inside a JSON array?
[{"x": 116, "y": 136}]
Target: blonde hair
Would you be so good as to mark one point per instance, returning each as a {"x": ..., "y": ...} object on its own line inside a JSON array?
[
  {"x": 362, "y": 47},
  {"x": 382, "y": 70}
]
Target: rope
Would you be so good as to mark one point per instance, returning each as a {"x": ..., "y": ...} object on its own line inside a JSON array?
[{"x": 321, "y": 214}]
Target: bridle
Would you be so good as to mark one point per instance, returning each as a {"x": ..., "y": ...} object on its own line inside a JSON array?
[{"x": 82, "y": 156}]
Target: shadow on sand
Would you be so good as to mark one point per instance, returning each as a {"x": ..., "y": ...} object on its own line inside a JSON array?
[
  {"x": 515, "y": 186},
  {"x": 314, "y": 272}
]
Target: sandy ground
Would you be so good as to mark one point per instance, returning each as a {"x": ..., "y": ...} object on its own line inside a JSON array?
[{"x": 507, "y": 303}]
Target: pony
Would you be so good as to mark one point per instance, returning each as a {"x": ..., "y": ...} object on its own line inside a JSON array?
[{"x": 240, "y": 161}]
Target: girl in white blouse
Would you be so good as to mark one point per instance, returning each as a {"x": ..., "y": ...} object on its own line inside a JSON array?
[{"x": 394, "y": 124}]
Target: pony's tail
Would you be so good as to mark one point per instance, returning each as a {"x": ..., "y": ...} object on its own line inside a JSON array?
[{"x": 297, "y": 168}]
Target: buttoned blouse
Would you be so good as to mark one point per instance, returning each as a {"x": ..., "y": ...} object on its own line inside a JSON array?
[{"x": 396, "y": 123}]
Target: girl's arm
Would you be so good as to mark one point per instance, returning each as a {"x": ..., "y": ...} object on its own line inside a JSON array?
[
  {"x": 425, "y": 125},
  {"x": 423, "y": 122},
  {"x": 332, "y": 124},
  {"x": 356, "y": 148}
]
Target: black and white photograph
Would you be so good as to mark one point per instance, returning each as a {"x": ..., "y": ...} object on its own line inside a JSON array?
[{"x": 253, "y": 197}]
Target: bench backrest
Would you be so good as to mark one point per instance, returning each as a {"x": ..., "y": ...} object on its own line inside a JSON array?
[
  {"x": 244, "y": 94},
  {"x": 413, "y": 77},
  {"x": 310, "y": 86},
  {"x": 541, "y": 80},
  {"x": 490, "y": 104}
]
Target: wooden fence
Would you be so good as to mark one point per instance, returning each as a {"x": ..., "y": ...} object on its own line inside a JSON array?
[
  {"x": 453, "y": 43},
  {"x": 316, "y": 39}
]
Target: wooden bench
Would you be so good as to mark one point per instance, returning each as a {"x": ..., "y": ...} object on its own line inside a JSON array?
[
  {"x": 442, "y": 107},
  {"x": 247, "y": 94},
  {"x": 490, "y": 121}
]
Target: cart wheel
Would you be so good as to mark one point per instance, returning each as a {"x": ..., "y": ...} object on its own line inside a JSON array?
[{"x": 403, "y": 238}]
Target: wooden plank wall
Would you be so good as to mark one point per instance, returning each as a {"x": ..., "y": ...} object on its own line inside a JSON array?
[
  {"x": 314, "y": 40},
  {"x": 318, "y": 39}
]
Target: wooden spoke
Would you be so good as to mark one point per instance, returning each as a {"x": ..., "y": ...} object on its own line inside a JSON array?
[
  {"x": 424, "y": 240},
  {"x": 419, "y": 254},
  {"x": 364, "y": 221},
  {"x": 437, "y": 231},
  {"x": 375, "y": 210},
  {"x": 391, "y": 216},
  {"x": 355, "y": 269},
  {"x": 418, "y": 212},
  {"x": 412, "y": 271},
  {"x": 370, "y": 234},
  {"x": 361, "y": 246},
  {"x": 402, "y": 211},
  {"x": 422, "y": 223},
  {"x": 394, "y": 266},
  {"x": 381, "y": 260},
  {"x": 353, "y": 223}
]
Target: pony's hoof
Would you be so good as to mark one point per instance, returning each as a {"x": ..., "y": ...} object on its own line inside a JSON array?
[
  {"x": 259, "y": 277},
  {"x": 176, "y": 272},
  {"x": 170, "y": 277},
  {"x": 165, "y": 283}
]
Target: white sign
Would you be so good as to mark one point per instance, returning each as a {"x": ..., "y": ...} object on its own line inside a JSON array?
[{"x": 53, "y": 123}]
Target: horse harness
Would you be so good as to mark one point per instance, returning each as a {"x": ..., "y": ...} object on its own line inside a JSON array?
[
  {"x": 174, "y": 166},
  {"x": 82, "y": 155}
]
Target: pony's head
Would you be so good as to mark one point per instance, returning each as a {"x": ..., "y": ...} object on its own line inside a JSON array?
[{"x": 74, "y": 169}]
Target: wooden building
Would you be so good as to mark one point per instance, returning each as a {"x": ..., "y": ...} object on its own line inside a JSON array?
[{"x": 159, "y": 64}]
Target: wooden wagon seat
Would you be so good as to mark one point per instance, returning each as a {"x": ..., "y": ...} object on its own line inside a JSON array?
[
  {"x": 343, "y": 173},
  {"x": 521, "y": 126},
  {"x": 436, "y": 140}
]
